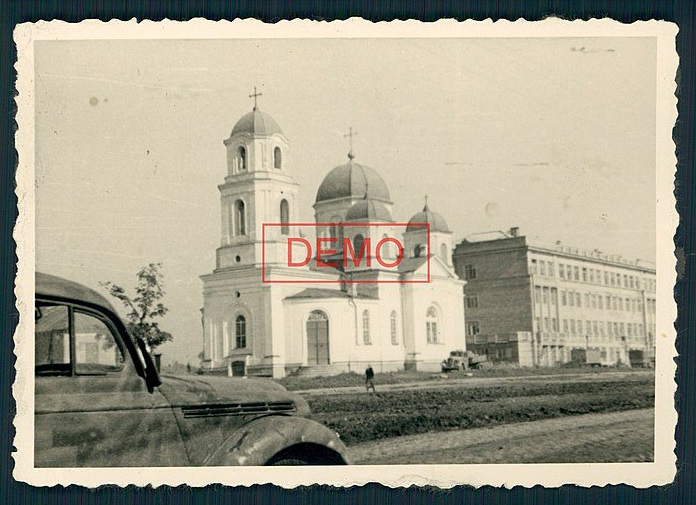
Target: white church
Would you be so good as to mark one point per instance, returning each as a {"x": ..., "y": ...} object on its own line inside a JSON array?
[{"x": 262, "y": 317}]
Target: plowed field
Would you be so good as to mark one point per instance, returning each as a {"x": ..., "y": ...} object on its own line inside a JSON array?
[{"x": 363, "y": 417}]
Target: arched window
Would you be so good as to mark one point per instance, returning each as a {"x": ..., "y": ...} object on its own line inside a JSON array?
[
  {"x": 386, "y": 249},
  {"x": 240, "y": 332},
  {"x": 443, "y": 253},
  {"x": 392, "y": 326},
  {"x": 336, "y": 231},
  {"x": 277, "y": 158},
  {"x": 239, "y": 218},
  {"x": 284, "y": 217},
  {"x": 431, "y": 325},
  {"x": 366, "y": 327},
  {"x": 241, "y": 156},
  {"x": 358, "y": 243}
]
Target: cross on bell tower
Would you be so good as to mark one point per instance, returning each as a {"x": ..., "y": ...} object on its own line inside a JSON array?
[
  {"x": 350, "y": 135},
  {"x": 254, "y": 95}
]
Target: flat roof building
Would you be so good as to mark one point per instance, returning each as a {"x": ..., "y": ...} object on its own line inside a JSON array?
[{"x": 533, "y": 304}]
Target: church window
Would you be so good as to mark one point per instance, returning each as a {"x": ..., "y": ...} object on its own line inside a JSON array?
[
  {"x": 242, "y": 157},
  {"x": 284, "y": 217},
  {"x": 392, "y": 325},
  {"x": 239, "y": 218},
  {"x": 335, "y": 229},
  {"x": 443, "y": 253},
  {"x": 366, "y": 327},
  {"x": 431, "y": 326},
  {"x": 240, "y": 332},
  {"x": 385, "y": 249},
  {"x": 277, "y": 158},
  {"x": 358, "y": 244}
]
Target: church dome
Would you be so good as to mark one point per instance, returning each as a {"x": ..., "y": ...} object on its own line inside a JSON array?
[
  {"x": 353, "y": 180},
  {"x": 435, "y": 220},
  {"x": 256, "y": 123},
  {"x": 368, "y": 210}
]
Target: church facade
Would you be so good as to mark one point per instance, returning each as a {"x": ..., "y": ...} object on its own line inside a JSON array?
[{"x": 263, "y": 317}]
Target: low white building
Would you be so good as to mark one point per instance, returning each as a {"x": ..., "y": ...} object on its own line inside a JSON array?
[{"x": 262, "y": 317}]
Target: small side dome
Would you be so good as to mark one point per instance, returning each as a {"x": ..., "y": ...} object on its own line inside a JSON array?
[
  {"x": 434, "y": 219},
  {"x": 368, "y": 210},
  {"x": 256, "y": 123},
  {"x": 353, "y": 180}
]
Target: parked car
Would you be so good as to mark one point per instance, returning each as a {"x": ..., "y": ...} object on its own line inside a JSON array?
[{"x": 100, "y": 402}]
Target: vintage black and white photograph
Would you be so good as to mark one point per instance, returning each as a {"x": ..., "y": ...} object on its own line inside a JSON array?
[{"x": 250, "y": 245}]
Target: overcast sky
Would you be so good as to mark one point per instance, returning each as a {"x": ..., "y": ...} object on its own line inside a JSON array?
[{"x": 556, "y": 136}]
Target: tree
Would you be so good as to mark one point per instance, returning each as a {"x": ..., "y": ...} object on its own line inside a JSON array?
[{"x": 145, "y": 307}]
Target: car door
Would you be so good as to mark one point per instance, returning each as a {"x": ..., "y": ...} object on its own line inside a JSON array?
[{"x": 91, "y": 407}]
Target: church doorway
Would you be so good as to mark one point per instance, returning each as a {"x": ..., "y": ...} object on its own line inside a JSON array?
[{"x": 317, "y": 338}]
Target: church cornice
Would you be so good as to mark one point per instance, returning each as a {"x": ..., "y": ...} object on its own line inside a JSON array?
[{"x": 237, "y": 181}]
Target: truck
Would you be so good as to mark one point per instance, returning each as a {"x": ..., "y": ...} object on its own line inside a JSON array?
[
  {"x": 586, "y": 357},
  {"x": 641, "y": 359},
  {"x": 463, "y": 360}
]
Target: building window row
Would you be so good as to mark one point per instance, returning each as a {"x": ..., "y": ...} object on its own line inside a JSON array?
[
  {"x": 597, "y": 328},
  {"x": 601, "y": 302},
  {"x": 591, "y": 275}
]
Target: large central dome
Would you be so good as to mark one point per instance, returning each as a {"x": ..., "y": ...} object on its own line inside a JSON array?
[
  {"x": 256, "y": 123},
  {"x": 353, "y": 180}
]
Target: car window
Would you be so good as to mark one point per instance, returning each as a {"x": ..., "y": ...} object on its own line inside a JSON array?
[
  {"x": 52, "y": 340},
  {"x": 96, "y": 350},
  {"x": 93, "y": 347}
]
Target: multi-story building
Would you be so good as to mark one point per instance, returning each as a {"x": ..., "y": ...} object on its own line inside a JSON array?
[{"x": 533, "y": 304}]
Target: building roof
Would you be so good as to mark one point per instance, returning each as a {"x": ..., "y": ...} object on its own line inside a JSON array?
[
  {"x": 434, "y": 219},
  {"x": 408, "y": 265},
  {"x": 353, "y": 180},
  {"x": 322, "y": 293},
  {"x": 483, "y": 243},
  {"x": 256, "y": 123},
  {"x": 368, "y": 210}
]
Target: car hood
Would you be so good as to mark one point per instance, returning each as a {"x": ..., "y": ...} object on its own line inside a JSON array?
[{"x": 206, "y": 392}]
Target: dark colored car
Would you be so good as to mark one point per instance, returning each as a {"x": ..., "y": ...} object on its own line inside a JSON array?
[{"x": 100, "y": 402}]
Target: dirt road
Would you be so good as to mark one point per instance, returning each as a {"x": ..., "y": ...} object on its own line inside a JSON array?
[
  {"x": 472, "y": 382},
  {"x": 611, "y": 437}
]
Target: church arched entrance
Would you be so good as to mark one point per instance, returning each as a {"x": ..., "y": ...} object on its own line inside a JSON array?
[{"x": 317, "y": 338}]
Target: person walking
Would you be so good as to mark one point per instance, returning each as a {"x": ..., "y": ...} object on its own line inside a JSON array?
[{"x": 369, "y": 379}]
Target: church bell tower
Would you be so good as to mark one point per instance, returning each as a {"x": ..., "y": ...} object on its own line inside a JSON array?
[{"x": 258, "y": 189}]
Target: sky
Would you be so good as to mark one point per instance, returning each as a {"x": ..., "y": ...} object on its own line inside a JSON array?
[{"x": 553, "y": 135}]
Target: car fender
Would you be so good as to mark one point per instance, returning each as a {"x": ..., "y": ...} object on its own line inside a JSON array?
[{"x": 258, "y": 441}]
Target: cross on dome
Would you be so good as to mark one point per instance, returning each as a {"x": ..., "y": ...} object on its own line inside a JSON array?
[
  {"x": 350, "y": 135},
  {"x": 254, "y": 95}
]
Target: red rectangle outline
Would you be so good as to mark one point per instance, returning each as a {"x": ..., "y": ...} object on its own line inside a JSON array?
[{"x": 263, "y": 254}]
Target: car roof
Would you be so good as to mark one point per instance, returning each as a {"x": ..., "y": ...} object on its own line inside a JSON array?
[{"x": 57, "y": 287}]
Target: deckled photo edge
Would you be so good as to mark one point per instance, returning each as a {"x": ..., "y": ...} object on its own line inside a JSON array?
[{"x": 661, "y": 471}]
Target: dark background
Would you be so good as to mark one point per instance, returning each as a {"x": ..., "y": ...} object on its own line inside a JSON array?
[{"x": 682, "y": 491}]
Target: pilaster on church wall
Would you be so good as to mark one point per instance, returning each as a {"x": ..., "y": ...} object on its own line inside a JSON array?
[{"x": 407, "y": 317}]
